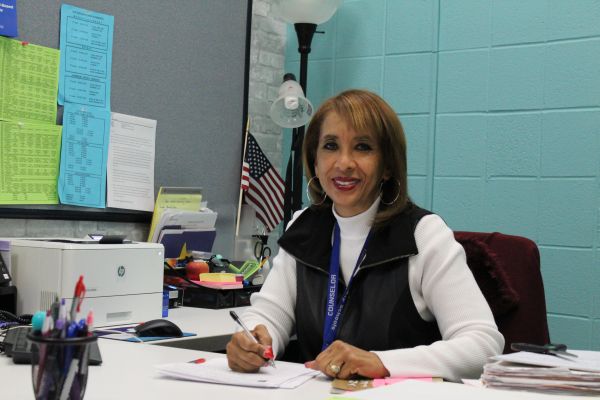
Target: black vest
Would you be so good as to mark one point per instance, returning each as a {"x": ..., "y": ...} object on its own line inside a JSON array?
[{"x": 379, "y": 313}]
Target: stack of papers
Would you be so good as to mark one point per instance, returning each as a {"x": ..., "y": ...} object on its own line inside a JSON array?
[
  {"x": 545, "y": 373},
  {"x": 182, "y": 229},
  {"x": 181, "y": 221},
  {"x": 285, "y": 375},
  {"x": 175, "y": 221}
]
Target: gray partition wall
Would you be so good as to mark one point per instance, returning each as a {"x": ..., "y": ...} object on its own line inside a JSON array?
[{"x": 183, "y": 63}]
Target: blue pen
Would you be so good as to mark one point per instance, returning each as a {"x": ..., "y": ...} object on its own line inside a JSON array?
[
  {"x": 69, "y": 366},
  {"x": 82, "y": 329},
  {"x": 72, "y": 330}
]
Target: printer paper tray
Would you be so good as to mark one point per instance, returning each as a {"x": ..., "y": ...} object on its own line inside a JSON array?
[{"x": 126, "y": 309}]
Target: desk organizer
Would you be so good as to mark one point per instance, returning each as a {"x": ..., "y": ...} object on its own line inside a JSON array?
[
  {"x": 203, "y": 297},
  {"x": 59, "y": 367}
]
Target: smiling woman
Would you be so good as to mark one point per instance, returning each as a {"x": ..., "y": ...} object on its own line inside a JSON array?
[
  {"x": 370, "y": 283},
  {"x": 348, "y": 166},
  {"x": 376, "y": 136}
]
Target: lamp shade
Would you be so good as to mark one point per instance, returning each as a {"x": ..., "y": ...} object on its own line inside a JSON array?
[
  {"x": 305, "y": 11},
  {"x": 291, "y": 109}
]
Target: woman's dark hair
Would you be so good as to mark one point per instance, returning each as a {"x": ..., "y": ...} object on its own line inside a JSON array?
[{"x": 364, "y": 111}]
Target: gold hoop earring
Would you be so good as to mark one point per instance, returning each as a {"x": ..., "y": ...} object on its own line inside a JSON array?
[
  {"x": 308, "y": 192},
  {"x": 381, "y": 193}
]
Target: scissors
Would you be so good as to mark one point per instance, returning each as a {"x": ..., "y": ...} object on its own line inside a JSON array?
[
  {"x": 555, "y": 349},
  {"x": 261, "y": 250}
]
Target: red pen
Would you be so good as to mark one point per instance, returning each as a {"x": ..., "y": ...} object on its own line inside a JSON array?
[
  {"x": 90, "y": 322},
  {"x": 77, "y": 298}
]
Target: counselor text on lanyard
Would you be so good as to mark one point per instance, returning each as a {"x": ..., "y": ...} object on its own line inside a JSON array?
[{"x": 334, "y": 309}]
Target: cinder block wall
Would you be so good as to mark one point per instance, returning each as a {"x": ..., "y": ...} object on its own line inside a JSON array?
[
  {"x": 266, "y": 75},
  {"x": 500, "y": 100}
]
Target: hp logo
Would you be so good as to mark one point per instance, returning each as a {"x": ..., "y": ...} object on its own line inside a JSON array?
[{"x": 121, "y": 271}]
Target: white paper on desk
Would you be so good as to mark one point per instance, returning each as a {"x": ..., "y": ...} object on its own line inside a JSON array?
[
  {"x": 586, "y": 360},
  {"x": 285, "y": 375},
  {"x": 130, "y": 166}
]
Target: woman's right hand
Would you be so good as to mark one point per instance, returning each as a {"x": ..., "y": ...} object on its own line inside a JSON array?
[{"x": 245, "y": 355}]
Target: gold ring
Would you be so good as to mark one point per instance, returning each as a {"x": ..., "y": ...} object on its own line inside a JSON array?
[{"x": 334, "y": 368}]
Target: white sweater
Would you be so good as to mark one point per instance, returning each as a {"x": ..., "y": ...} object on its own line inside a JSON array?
[{"x": 442, "y": 288}]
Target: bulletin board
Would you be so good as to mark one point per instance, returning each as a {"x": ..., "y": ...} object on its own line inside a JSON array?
[{"x": 183, "y": 63}]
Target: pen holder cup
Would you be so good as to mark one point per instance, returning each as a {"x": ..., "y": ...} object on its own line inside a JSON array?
[{"x": 59, "y": 367}]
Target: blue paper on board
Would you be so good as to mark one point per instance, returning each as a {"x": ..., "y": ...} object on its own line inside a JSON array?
[
  {"x": 86, "y": 46},
  {"x": 83, "y": 156},
  {"x": 8, "y": 18}
]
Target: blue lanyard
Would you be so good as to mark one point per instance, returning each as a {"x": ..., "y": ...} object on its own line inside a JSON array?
[{"x": 334, "y": 309}]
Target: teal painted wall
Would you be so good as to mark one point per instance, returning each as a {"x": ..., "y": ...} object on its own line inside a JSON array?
[{"x": 500, "y": 101}]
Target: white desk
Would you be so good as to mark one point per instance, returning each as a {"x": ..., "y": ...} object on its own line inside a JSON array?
[{"x": 127, "y": 372}]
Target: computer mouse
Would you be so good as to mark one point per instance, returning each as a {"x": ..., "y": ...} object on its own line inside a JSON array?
[{"x": 158, "y": 327}]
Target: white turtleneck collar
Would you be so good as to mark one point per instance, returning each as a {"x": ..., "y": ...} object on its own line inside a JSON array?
[{"x": 358, "y": 225}]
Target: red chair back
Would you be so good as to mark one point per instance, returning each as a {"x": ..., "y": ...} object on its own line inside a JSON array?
[{"x": 507, "y": 269}]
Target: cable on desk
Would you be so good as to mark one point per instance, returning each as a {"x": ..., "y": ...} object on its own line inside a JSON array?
[
  {"x": 119, "y": 332},
  {"x": 8, "y": 317}
]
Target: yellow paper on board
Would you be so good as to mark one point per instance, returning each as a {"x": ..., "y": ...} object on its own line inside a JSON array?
[
  {"x": 29, "y": 162},
  {"x": 28, "y": 81}
]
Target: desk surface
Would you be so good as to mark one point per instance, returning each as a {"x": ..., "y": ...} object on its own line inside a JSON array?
[
  {"x": 213, "y": 328},
  {"x": 128, "y": 372}
]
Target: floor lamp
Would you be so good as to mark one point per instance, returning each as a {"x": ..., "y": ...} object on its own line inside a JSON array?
[{"x": 305, "y": 15}]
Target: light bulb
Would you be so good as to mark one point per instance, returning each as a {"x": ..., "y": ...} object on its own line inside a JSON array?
[
  {"x": 305, "y": 11},
  {"x": 291, "y": 102}
]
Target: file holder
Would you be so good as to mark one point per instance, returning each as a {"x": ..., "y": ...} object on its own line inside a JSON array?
[{"x": 199, "y": 240}]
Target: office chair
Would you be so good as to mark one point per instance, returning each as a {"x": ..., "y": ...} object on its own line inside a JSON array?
[{"x": 507, "y": 269}]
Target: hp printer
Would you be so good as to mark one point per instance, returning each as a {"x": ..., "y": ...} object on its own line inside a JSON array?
[{"x": 124, "y": 282}]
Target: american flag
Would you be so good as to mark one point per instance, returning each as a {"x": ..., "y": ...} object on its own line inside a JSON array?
[
  {"x": 245, "y": 175},
  {"x": 265, "y": 187}
]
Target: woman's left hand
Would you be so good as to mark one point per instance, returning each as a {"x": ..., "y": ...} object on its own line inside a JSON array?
[{"x": 343, "y": 361}]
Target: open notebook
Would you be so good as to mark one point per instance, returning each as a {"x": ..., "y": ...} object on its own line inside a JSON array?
[{"x": 285, "y": 375}]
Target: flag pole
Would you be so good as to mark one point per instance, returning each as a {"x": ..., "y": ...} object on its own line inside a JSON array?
[{"x": 239, "y": 210}]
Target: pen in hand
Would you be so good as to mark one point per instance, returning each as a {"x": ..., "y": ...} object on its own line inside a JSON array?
[{"x": 268, "y": 353}]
